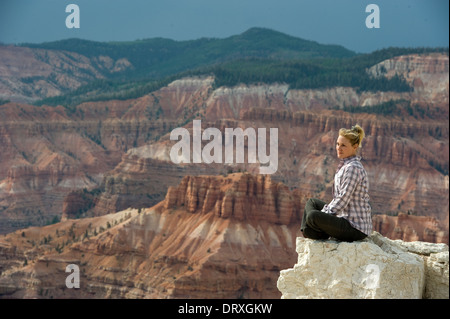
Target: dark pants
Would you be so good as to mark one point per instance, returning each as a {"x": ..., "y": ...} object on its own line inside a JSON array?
[{"x": 319, "y": 225}]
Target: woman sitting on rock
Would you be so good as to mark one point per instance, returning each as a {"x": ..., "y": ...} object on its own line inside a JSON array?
[{"x": 348, "y": 216}]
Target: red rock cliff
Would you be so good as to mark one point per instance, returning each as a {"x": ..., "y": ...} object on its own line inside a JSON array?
[
  {"x": 241, "y": 197},
  {"x": 212, "y": 237}
]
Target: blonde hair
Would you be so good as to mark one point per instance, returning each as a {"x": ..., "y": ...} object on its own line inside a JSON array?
[{"x": 355, "y": 135}]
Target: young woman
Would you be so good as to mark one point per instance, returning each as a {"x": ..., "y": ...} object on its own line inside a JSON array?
[{"x": 348, "y": 216}]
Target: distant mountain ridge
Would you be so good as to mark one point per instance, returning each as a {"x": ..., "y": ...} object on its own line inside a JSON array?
[{"x": 158, "y": 57}]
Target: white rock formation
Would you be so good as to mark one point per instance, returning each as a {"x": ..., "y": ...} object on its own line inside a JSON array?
[
  {"x": 374, "y": 268},
  {"x": 437, "y": 276}
]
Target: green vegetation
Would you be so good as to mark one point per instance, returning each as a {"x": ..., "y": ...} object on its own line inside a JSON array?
[
  {"x": 54, "y": 220},
  {"x": 392, "y": 107},
  {"x": 401, "y": 108},
  {"x": 440, "y": 167},
  {"x": 304, "y": 74},
  {"x": 4, "y": 101},
  {"x": 104, "y": 90}
]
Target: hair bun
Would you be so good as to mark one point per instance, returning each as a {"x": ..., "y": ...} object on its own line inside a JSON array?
[{"x": 355, "y": 134}]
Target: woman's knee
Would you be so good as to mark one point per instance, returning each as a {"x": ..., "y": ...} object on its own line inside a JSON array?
[
  {"x": 314, "y": 204},
  {"x": 313, "y": 218},
  {"x": 309, "y": 204}
]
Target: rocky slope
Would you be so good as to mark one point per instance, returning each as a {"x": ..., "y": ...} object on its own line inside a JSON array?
[
  {"x": 212, "y": 237},
  {"x": 426, "y": 73},
  {"x": 122, "y": 147},
  {"x": 29, "y": 74}
]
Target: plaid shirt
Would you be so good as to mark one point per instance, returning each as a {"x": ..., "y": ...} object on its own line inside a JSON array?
[{"x": 351, "y": 195}]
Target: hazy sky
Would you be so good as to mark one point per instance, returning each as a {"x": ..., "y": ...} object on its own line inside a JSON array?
[{"x": 403, "y": 23}]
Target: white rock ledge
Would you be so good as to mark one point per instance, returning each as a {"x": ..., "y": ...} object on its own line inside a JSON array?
[{"x": 374, "y": 268}]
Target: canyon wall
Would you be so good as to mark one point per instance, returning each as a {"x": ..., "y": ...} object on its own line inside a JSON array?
[{"x": 118, "y": 150}]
